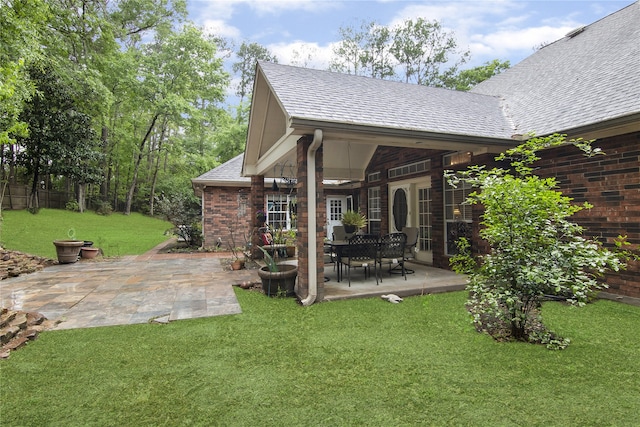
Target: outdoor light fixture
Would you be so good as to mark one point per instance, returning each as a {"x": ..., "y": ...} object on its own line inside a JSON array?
[{"x": 289, "y": 180}]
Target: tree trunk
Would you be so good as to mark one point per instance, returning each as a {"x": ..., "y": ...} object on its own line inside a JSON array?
[
  {"x": 134, "y": 180},
  {"x": 81, "y": 197},
  {"x": 154, "y": 180}
]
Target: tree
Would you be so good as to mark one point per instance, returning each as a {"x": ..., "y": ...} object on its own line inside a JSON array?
[
  {"x": 178, "y": 72},
  {"x": 349, "y": 51},
  {"x": 466, "y": 79},
  {"x": 364, "y": 51},
  {"x": 21, "y": 23},
  {"x": 245, "y": 67},
  {"x": 424, "y": 49},
  {"x": 61, "y": 140},
  {"x": 535, "y": 249}
]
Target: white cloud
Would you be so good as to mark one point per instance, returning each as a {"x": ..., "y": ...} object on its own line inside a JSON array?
[
  {"x": 278, "y": 6},
  {"x": 218, "y": 27},
  {"x": 302, "y": 54}
]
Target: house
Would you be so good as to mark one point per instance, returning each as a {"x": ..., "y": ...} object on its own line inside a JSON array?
[{"x": 384, "y": 145}]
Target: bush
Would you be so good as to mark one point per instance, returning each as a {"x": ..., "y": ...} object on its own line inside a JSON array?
[
  {"x": 104, "y": 208},
  {"x": 535, "y": 249},
  {"x": 184, "y": 212},
  {"x": 72, "y": 205}
]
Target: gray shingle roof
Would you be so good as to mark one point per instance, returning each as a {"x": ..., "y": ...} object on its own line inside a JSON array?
[
  {"x": 342, "y": 98},
  {"x": 589, "y": 78},
  {"x": 229, "y": 172}
]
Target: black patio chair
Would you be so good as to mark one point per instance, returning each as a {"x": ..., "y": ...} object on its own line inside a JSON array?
[
  {"x": 392, "y": 252},
  {"x": 409, "y": 248},
  {"x": 362, "y": 251}
]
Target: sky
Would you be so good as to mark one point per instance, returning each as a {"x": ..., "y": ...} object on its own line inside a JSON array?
[{"x": 303, "y": 32}]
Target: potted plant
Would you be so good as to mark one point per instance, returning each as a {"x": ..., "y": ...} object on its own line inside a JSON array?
[
  {"x": 68, "y": 250},
  {"x": 290, "y": 241},
  {"x": 353, "y": 221},
  {"x": 237, "y": 263},
  {"x": 277, "y": 278}
]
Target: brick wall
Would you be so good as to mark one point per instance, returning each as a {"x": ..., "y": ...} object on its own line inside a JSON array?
[
  {"x": 611, "y": 183},
  {"x": 226, "y": 210}
]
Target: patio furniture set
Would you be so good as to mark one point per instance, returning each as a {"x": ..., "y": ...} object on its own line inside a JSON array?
[{"x": 369, "y": 250}]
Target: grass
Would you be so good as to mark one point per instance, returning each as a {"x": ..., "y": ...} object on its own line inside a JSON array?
[
  {"x": 357, "y": 362},
  {"x": 115, "y": 234}
]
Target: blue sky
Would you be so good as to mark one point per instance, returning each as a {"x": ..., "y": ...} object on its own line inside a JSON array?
[{"x": 500, "y": 29}]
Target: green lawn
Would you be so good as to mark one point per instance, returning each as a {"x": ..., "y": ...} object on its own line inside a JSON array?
[
  {"x": 115, "y": 234},
  {"x": 357, "y": 362}
]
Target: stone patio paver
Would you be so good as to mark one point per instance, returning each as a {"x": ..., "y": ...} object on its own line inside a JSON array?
[{"x": 128, "y": 290}]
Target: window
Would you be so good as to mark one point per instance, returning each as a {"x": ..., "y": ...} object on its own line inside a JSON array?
[
  {"x": 457, "y": 215},
  {"x": 412, "y": 168},
  {"x": 374, "y": 210},
  {"x": 456, "y": 158},
  {"x": 281, "y": 211},
  {"x": 424, "y": 212}
]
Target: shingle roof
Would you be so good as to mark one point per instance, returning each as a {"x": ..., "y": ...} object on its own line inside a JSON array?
[
  {"x": 229, "y": 172},
  {"x": 342, "y": 98},
  {"x": 589, "y": 78}
]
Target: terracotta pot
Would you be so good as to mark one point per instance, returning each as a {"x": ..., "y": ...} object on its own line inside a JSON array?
[
  {"x": 237, "y": 264},
  {"x": 291, "y": 251},
  {"x": 68, "y": 250},
  {"x": 89, "y": 252},
  {"x": 283, "y": 280}
]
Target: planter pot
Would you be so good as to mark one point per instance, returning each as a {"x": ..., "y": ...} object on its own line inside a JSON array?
[
  {"x": 350, "y": 228},
  {"x": 291, "y": 251},
  {"x": 88, "y": 252},
  {"x": 283, "y": 280},
  {"x": 68, "y": 250},
  {"x": 237, "y": 264}
]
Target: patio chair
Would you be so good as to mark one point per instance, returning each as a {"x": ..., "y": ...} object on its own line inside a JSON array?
[
  {"x": 392, "y": 251},
  {"x": 409, "y": 247},
  {"x": 339, "y": 233},
  {"x": 362, "y": 251}
]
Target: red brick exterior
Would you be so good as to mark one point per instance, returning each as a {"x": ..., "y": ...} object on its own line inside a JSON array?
[
  {"x": 225, "y": 210},
  {"x": 303, "y": 220},
  {"x": 611, "y": 183}
]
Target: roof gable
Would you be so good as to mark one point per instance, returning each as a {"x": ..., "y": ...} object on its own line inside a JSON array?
[{"x": 329, "y": 97}]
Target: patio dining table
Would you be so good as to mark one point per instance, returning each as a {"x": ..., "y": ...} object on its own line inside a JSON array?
[{"x": 337, "y": 247}]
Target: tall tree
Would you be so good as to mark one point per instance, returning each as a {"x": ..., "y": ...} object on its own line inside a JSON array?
[
  {"x": 425, "y": 51},
  {"x": 245, "y": 67},
  {"x": 22, "y": 23},
  {"x": 177, "y": 70},
  {"x": 466, "y": 79},
  {"x": 348, "y": 53},
  {"x": 61, "y": 140}
]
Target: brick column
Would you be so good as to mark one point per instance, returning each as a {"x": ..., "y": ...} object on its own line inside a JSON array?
[
  {"x": 257, "y": 203},
  {"x": 303, "y": 220}
]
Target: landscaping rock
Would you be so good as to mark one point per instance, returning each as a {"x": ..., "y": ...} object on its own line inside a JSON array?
[
  {"x": 15, "y": 263},
  {"x": 17, "y": 328}
]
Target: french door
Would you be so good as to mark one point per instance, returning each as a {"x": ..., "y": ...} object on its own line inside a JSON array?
[
  {"x": 336, "y": 206},
  {"x": 410, "y": 206}
]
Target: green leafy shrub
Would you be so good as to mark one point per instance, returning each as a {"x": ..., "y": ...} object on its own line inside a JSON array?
[
  {"x": 535, "y": 249},
  {"x": 184, "y": 212},
  {"x": 72, "y": 205},
  {"x": 104, "y": 208}
]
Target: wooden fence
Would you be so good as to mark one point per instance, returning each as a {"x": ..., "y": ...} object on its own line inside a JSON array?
[{"x": 16, "y": 197}]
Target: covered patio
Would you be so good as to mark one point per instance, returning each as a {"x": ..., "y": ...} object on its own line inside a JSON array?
[{"x": 425, "y": 280}]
